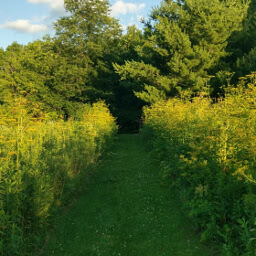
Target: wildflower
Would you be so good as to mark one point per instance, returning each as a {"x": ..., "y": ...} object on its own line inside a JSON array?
[{"x": 12, "y": 153}]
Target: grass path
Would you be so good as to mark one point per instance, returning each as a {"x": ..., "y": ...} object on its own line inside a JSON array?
[{"x": 125, "y": 211}]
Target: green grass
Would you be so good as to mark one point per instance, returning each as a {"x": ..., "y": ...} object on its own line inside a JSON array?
[{"x": 126, "y": 211}]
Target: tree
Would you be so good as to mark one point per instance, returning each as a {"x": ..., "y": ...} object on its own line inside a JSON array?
[
  {"x": 91, "y": 41},
  {"x": 73, "y": 68},
  {"x": 125, "y": 105},
  {"x": 88, "y": 39},
  {"x": 242, "y": 45},
  {"x": 184, "y": 41}
]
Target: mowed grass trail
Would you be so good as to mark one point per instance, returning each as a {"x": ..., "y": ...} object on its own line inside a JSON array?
[{"x": 126, "y": 211}]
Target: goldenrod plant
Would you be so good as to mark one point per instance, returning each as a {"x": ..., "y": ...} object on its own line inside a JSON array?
[
  {"x": 208, "y": 151},
  {"x": 41, "y": 161}
]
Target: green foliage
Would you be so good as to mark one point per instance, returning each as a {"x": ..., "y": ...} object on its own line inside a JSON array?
[
  {"x": 125, "y": 105},
  {"x": 141, "y": 75},
  {"x": 183, "y": 41},
  {"x": 41, "y": 163},
  {"x": 74, "y": 67},
  {"x": 32, "y": 72},
  {"x": 89, "y": 58},
  {"x": 208, "y": 149},
  {"x": 88, "y": 39},
  {"x": 241, "y": 43},
  {"x": 246, "y": 63}
]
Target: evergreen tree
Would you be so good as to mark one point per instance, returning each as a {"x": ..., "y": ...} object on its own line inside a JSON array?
[
  {"x": 126, "y": 106},
  {"x": 242, "y": 45},
  {"x": 184, "y": 41}
]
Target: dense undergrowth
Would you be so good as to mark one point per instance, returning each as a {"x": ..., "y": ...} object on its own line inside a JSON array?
[
  {"x": 208, "y": 153},
  {"x": 41, "y": 162}
]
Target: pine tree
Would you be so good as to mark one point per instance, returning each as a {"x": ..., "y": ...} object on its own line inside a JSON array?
[
  {"x": 184, "y": 41},
  {"x": 125, "y": 105},
  {"x": 242, "y": 45}
]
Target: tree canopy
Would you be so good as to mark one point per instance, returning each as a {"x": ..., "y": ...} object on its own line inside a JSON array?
[
  {"x": 183, "y": 43},
  {"x": 90, "y": 57}
]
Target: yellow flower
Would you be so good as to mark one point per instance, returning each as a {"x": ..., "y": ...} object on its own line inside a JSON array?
[{"x": 12, "y": 153}]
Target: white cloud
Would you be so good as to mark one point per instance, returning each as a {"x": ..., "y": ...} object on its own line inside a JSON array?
[
  {"x": 57, "y": 6},
  {"x": 24, "y": 26},
  {"x": 121, "y": 7}
]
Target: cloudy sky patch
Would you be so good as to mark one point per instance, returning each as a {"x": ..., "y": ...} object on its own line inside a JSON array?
[
  {"x": 56, "y": 6},
  {"x": 31, "y": 19},
  {"x": 121, "y": 7},
  {"x": 24, "y": 26}
]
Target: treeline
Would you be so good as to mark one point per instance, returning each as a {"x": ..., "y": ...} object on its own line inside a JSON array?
[
  {"x": 91, "y": 58},
  {"x": 58, "y": 75}
]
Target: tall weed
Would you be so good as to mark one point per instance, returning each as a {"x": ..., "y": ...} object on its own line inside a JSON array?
[
  {"x": 208, "y": 148},
  {"x": 41, "y": 161}
]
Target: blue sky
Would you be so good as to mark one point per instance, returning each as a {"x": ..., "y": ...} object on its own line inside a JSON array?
[{"x": 27, "y": 20}]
